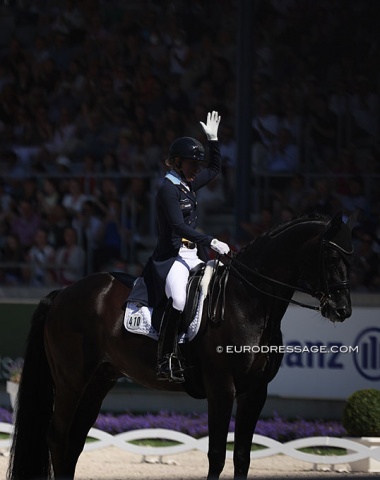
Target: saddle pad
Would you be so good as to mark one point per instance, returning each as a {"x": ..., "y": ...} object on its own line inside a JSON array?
[{"x": 138, "y": 319}]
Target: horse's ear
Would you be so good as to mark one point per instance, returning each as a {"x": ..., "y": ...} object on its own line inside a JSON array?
[
  {"x": 336, "y": 220},
  {"x": 337, "y": 233},
  {"x": 352, "y": 219},
  {"x": 333, "y": 226}
]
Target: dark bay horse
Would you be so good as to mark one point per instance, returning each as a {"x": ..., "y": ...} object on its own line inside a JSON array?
[{"x": 78, "y": 347}]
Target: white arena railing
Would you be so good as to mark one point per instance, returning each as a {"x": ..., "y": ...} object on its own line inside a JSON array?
[{"x": 101, "y": 439}]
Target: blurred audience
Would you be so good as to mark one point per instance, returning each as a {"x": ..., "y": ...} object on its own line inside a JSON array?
[{"x": 93, "y": 93}]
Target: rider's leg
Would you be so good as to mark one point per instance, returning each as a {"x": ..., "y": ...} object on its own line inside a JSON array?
[
  {"x": 175, "y": 289},
  {"x": 168, "y": 365},
  {"x": 176, "y": 281}
]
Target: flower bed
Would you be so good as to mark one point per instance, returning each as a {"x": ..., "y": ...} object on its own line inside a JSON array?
[{"x": 196, "y": 425}]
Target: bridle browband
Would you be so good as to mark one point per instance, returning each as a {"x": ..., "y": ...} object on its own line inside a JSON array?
[{"x": 322, "y": 291}]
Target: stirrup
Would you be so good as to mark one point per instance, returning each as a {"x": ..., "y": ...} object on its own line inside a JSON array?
[{"x": 170, "y": 368}]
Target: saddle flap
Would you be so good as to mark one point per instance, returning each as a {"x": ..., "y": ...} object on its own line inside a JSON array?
[{"x": 193, "y": 289}]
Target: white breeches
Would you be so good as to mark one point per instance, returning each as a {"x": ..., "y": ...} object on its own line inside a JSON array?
[{"x": 176, "y": 281}]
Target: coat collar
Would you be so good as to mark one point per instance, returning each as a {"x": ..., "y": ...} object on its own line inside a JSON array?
[{"x": 175, "y": 178}]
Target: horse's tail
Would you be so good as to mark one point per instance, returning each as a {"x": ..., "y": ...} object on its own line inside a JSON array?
[{"x": 29, "y": 456}]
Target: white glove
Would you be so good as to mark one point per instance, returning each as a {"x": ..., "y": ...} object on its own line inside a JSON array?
[
  {"x": 211, "y": 127},
  {"x": 220, "y": 247}
]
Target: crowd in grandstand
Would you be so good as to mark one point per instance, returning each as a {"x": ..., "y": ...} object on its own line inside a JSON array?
[{"x": 92, "y": 93}]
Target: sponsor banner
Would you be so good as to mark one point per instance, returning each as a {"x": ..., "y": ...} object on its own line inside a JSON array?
[{"x": 326, "y": 360}]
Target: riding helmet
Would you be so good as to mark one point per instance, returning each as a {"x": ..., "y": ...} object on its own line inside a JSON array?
[{"x": 187, "y": 147}]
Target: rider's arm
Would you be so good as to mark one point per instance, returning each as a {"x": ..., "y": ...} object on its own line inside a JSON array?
[{"x": 207, "y": 174}]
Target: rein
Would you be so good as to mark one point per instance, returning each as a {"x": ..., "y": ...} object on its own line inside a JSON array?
[
  {"x": 233, "y": 259},
  {"x": 320, "y": 294},
  {"x": 333, "y": 237}
]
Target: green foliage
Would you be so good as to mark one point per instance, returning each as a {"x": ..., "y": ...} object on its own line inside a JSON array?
[{"x": 361, "y": 415}]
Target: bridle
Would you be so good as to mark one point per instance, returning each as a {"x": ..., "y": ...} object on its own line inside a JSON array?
[{"x": 322, "y": 290}]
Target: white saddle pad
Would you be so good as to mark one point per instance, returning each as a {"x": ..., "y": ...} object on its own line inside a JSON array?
[{"x": 138, "y": 319}]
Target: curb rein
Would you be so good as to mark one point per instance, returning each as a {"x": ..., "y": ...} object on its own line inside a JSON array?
[{"x": 321, "y": 295}]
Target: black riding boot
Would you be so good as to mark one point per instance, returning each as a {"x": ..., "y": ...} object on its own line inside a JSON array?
[{"x": 168, "y": 364}]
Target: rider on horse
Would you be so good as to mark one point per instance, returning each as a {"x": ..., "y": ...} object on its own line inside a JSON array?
[{"x": 180, "y": 246}]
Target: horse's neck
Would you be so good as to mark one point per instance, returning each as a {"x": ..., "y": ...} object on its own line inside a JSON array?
[{"x": 280, "y": 253}]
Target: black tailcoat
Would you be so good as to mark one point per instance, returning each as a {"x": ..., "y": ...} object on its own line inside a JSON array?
[{"x": 176, "y": 211}]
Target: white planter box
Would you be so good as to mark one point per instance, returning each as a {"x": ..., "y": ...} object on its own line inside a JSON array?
[
  {"x": 369, "y": 465},
  {"x": 12, "y": 389}
]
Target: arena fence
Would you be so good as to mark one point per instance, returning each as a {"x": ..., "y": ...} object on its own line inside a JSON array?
[{"x": 100, "y": 439}]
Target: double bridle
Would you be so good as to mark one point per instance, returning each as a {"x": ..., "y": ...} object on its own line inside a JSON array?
[{"x": 322, "y": 290}]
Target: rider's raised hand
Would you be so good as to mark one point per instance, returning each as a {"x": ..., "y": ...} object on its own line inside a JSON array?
[
  {"x": 220, "y": 247},
  {"x": 211, "y": 126}
]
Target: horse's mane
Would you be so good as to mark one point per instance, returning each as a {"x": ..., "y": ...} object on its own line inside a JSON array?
[{"x": 260, "y": 241}]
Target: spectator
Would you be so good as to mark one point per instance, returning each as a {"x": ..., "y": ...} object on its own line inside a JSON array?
[
  {"x": 125, "y": 152},
  {"x": 65, "y": 139},
  {"x": 29, "y": 191},
  {"x": 355, "y": 198},
  {"x": 115, "y": 236},
  {"x": 25, "y": 224},
  {"x": 210, "y": 198},
  {"x": 228, "y": 151},
  {"x": 179, "y": 54},
  {"x": 321, "y": 198},
  {"x": 294, "y": 196},
  {"x": 70, "y": 259},
  {"x": 291, "y": 120},
  {"x": 6, "y": 200},
  {"x": 74, "y": 199},
  {"x": 151, "y": 151},
  {"x": 88, "y": 226},
  {"x": 283, "y": 154},
  {"x": 266, "y": 123},
  {"x": 41, "y": 257},
  {"x": 109, "y": 164},
  {"x": 48, "y": 197},
  {"x": 366, "y": 263},
  {"x": 345, "y": 167},
  {"x": 364, "y": 108},
  {"x": 260, "y": 225},
  {"x": 57, "y": 220},
  {"x": 89, "y": 171},
  {"x": 322, "y": 132},
  {"x": 13, "y": 256},
  {"x": 108, "y": 191}
]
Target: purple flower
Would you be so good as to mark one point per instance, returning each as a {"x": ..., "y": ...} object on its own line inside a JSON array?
[
  {"x": 195, "y": 424},
  {"x": 5, "y": 416}
]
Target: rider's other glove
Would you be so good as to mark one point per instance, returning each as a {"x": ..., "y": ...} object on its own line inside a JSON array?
[
  {"x": 220, "y": 247},
  {"x": 212, "y": 125}
]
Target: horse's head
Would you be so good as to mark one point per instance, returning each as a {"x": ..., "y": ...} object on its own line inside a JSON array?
[{"x": 333, "y": 263}]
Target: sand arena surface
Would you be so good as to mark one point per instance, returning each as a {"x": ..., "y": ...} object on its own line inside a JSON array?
[{"x": 111, "y": 463}]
